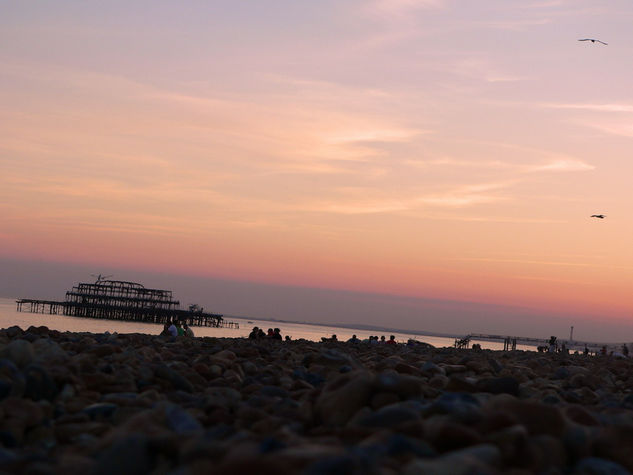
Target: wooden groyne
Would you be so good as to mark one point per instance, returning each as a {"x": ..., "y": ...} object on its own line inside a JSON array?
[{"x": 125, "y": 301}]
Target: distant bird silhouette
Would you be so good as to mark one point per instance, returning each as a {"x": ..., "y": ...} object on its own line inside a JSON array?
[
  {"x": 601, "y": 216},
  {"x": 593, "y": 40}
]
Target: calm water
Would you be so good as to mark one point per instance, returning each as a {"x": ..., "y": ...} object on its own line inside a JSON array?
[{"x": 9, "y": 316}]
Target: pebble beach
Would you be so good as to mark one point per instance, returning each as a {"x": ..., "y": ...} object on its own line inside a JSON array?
[{"x": 134, "y": 403}]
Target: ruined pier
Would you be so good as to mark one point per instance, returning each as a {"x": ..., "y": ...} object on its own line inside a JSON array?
[{"x": 125, "y": 301}]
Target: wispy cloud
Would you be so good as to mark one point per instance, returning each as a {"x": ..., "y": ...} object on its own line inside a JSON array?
[
  {"x": 555, "y": 164},
  {"x": 563, "y": 165},
  {"x": 516, "y": 25},
  {"x": 526, "y": 262},
  {"x": 364, "y": 200},
  {"x": 623, "y": 129},
  {"x": 400, "y": 7},
  {"x": 544, "y": 4},
  {"x": 483, "y": 68},
  {"x": 607, "y": 107}
]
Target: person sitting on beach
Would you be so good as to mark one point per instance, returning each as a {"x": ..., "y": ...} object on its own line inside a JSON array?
[
  {"x": 392, "y": 340},
  {"x": 325, "y": 339},
  {"x": 287, "y": 338},
  {"x": 353, "y": 339},
  {"x": 277, "y": 334},
  {"x": 179, "y": 329},
  {"x": 173, "y": 330},
  {"x": 382, "y": 339},
  {"x": 261, "y": 334},
  {"x": 625, "y": 350},
  {"x": 165, "y": 331},
  {"x": 254, "y": 334},
  {"x": 373, "y": 339},
  {"x": 270, "y": 333},
  {"x": 188, "y": 330},
  {"x": 552, "y": 344}
]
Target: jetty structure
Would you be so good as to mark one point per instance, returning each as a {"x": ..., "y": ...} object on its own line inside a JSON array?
[
  {"x": 541, "y": 344},
  {"x": 126, "y": 301}
]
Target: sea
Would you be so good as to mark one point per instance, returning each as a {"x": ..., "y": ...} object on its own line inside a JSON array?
[{"x": 9, "y": 316}]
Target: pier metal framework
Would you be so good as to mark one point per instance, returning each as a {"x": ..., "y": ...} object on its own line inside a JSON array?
[{"x": 120, "y": 300}]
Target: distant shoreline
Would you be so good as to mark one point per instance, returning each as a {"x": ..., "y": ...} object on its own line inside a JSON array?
[
  {"x": 350, "y": 326},
  {"x": 573, "y": 345}
]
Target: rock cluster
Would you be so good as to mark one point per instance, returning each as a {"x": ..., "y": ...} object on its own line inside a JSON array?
[{"x": 132, "y": 403}]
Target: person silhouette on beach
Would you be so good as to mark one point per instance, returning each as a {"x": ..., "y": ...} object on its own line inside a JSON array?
[
  {"x": 552, "y": 344},
  {"x": 165, "y": 331},
  {"x": 172, "y": 329}
]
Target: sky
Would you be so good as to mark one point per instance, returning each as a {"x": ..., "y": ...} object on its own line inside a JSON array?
[{"x": 427, "y": 164}]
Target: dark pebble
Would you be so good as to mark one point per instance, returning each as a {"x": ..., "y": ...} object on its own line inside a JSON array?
[
  {"x": 389, "y": 416},
  {"x": 599, "y": 466},
  {"x": 501, "y": 385},
  {"x": 130, "y": 455},
  {"x": 100, "y": 411},
  {"x": 39, "y": 384},
  {"x": 180, "y": 421}
]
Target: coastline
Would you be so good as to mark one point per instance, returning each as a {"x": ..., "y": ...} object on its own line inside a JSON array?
[
  {"x": 137, "y": 403},
  {"x": 352, "y": 326}
]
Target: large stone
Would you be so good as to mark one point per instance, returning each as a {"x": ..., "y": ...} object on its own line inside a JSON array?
[
  {"x": 130, "y": 455},
  {"x": 599, "y": 466},
  {"x": 480, "y": 459},
  {"x": 500, "y": 385},
  {"x": 390, "y": 416},
  {"x": 446, "y": 435},
  {"x": 19, "y": 352},
  {"x": 403, "y": 385},
  {"x": 538, "y": 418},
  {"x": 343, "y": 397},
  {"x": 39, "y": 384},
  {"x": 614, "y": 443}
]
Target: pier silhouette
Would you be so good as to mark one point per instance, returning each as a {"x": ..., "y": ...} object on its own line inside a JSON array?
[{"x": 126, "y": 301}]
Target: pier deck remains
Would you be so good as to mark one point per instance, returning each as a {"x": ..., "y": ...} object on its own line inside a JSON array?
[{"x": 126, "y": 301}]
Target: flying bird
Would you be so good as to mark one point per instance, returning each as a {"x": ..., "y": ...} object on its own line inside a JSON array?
[
  {"x": 601, "y": 216},
  {"x": 593, "y": 40}
]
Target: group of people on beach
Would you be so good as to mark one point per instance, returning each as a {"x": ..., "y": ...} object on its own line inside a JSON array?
[
  {"x": 372, "y": 339},
  {"x": 176, "y": 328},
  {"x": 272, "y": 334},
  {"x": 275, "y": 334}
]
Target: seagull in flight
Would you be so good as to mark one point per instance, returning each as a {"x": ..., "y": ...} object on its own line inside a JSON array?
[
  {"x": 601, "y": 216},
  {"x": 593, "y": 40}
]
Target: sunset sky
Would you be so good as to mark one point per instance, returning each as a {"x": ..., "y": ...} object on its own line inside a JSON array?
[{"x": 409, "y": 149}]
